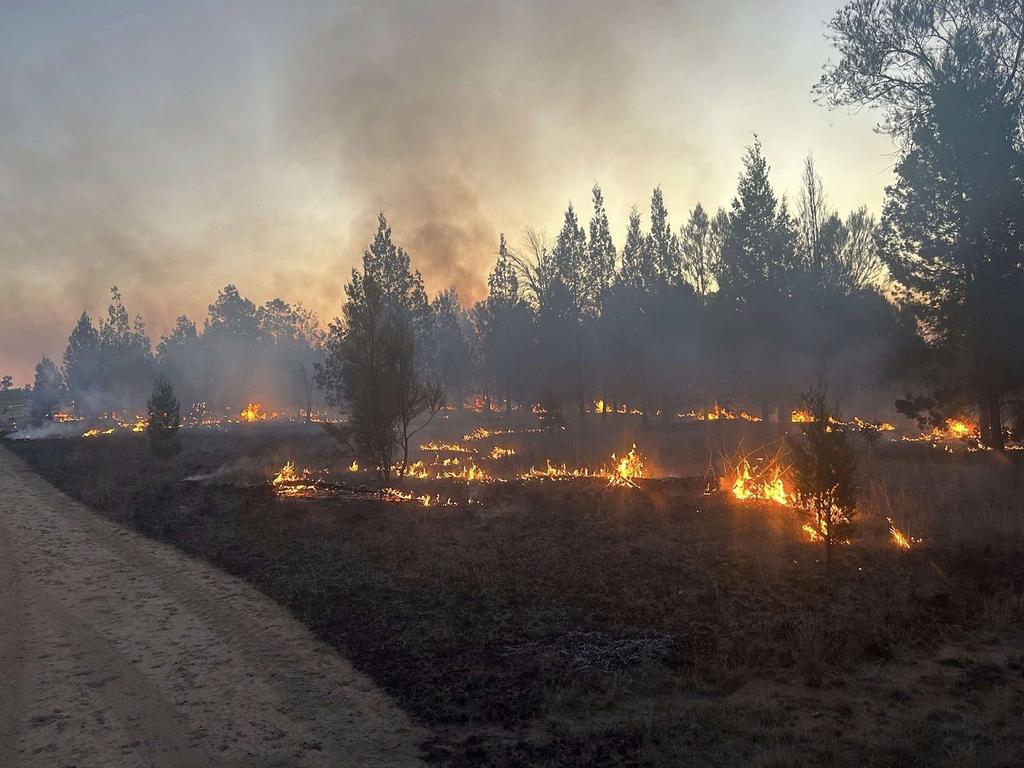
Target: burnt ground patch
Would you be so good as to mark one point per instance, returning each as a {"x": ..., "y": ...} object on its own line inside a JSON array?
[{"x": 570, "y": 623}]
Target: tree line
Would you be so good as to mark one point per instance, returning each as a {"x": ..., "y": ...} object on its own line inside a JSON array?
[
  {"x": 742, "y": 305},
  {"x": 242, "y": 352}
]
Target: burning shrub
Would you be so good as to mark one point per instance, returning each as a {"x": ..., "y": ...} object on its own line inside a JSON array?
[
  {"x": 164, "y": 420},
  {"x": 824, "y": 471}
]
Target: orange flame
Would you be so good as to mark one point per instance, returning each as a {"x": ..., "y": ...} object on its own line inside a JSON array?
[{"x": 252, "y": 412}]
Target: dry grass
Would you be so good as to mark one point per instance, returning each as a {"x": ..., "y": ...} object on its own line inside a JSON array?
[{"x": 571, "y": 624}]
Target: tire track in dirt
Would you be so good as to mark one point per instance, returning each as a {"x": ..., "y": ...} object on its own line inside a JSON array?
[
  {"x": 12, "y": 667},
  {"x": 129, "y": 652}
]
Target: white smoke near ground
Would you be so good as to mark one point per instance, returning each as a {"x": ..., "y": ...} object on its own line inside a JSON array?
[{"x": 49, "y": 429}]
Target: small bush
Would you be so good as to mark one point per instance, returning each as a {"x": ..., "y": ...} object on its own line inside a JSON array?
[{"x": 164, "y": 421}]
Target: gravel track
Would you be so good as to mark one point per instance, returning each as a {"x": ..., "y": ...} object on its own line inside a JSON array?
[{"x": 118, "y": 650}]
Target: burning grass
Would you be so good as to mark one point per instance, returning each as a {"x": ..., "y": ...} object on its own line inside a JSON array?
[{"x": 505, "y": 615}]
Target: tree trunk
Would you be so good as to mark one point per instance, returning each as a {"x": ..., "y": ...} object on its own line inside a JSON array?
[
  {"x": 604, "y": 406},
  {"x": 766, "y": 412},
  {"x": 984, "y": 425},
  {"x": 785, "y": 415},
  {"x": 995, "y": 423},
  {"x": 508, "y": 400}
]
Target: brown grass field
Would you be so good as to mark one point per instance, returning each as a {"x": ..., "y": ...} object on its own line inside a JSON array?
[{"x": 570, "y": 623}]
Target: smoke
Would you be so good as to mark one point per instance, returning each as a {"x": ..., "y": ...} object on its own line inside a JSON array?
[
  {"x": 175, "y": 148},
  {"x": 49, "y": 429},
  {"x": 434, "y": 112}
]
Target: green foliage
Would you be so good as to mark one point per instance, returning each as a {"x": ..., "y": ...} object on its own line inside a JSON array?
[
  {"x": 164, "y": 420},
  {"x": 824, "y": 471}
]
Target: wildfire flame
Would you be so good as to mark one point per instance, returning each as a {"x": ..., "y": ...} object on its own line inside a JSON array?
[
  {"x": 763, "y": 482},
  {"x": 952, "y": 429},
  {"x": 449, "y": 447},
  {"x": 624, "y": 472},
  {"x": 959, "y": 428},
  {"x": 555, "y": 472},
  {"x": 95, "y": 432},
  {"x": 718, "y": 413},
  {"x": 900, "y": 539},
  {"x": 291, "y": 482},
  {"x": 426, "y": 500},
  {"x": 252, "y": 412},
  {"x": 627, "y": 470},
  {"x": 499, "y": 453}
]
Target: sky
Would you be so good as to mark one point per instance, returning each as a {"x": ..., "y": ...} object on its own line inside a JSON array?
[{"x": 173, "y": 148}]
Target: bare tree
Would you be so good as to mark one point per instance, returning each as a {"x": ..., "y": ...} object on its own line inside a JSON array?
[{"x": 825, "y": 471}]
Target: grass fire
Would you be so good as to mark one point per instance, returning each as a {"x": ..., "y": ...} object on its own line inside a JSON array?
[{"x": 500, "y": 385}]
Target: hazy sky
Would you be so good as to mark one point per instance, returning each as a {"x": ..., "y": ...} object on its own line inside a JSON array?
[{"x": 171, "y": 148}]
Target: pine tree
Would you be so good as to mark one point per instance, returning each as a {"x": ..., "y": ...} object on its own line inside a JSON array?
[
  {"x": 389, "y": 267},
  {"x": 602, "y": 249},
  {"x": 164, "y": 420},
  {"x": 637, "y": 271},
  {"x": 232, "y": 316},
  {"x": 48, "y": 391},
  {"x": 82, "y": 364},
  {"x": 503, "y": 326},
  {"x": 948, "y": 81},
  {"x": 571, "y": 265},
  {"x": 758, "y": 251},
  {"x": 126, "y": 357},
  {"x": 700, "y": 249},
  {"x": 373, "y": 365},
  {"x": 662, "y": 242},
  {"x": 451, "y": 345}
]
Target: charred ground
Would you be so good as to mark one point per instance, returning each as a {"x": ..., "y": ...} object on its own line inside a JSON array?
[{"x": 567, "y": 622}]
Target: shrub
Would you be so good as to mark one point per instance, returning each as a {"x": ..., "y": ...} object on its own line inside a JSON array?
[{"x": 164, "y": 421}]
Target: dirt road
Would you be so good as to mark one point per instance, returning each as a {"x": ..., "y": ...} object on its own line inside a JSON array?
[{"x": 120, "y": 651}]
